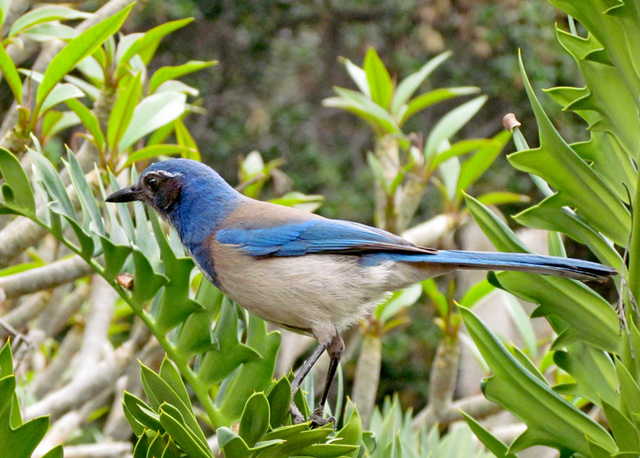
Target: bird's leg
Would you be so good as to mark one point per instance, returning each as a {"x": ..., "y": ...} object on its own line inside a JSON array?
[
  {"x": 335, "y": 349},
  {"x": 302, "y": 373}
]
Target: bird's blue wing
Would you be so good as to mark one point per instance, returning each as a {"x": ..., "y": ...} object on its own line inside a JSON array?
[{"x": 315, "y": 236}]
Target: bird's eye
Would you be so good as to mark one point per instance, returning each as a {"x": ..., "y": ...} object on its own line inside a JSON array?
[{"x": 152, "y": 183}]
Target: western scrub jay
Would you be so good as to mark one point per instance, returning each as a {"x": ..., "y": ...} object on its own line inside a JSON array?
[{"x": 298, "y": 270}]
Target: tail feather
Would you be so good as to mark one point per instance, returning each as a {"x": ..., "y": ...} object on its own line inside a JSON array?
[{"x": 520, "y": 262}]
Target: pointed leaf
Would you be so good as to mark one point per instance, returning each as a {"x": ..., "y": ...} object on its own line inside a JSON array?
[
  {"x": 170, "y": 73},
  {"x": 15, "y": 177},
  {"x": 123, "y": 108},
  {"x": 77, "y": 49},
  {"x": 378, "y": 78},
  {"x": 411, "y": 83},
  {"x": 8, "y": 69},
  {"x": 152, "y": 113},
  {"x": 45, "y": 14}
]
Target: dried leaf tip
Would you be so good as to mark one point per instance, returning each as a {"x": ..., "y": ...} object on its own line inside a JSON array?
[
  {"x": 510, "y": 122},
  {"x": 125, "y": 280}
]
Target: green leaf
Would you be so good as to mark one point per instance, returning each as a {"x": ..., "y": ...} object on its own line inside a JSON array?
[
  {"x": 279, "y": 397},
  {"x": 53, "y": 184},
  {"x": 123, "y": 108},
  {"x": 551, "y": 420},
  {"x": 359, "y": 104},
  {"x": 378, "y": 78},
  {"x": 578, "y": 184},
  {"x": 398, "y": 301},
  {"x": 440, "y": 300},
  {"x": 551, "y": 215},
  {"x": 458, "y": 149},
  {"x": 149, "y": 152},
  {"x": 590, "y": 318},
  {"x": 255, "y": 419},
  {"x": 476, "y": 293},
  {"x": 494, "y": 228},
  {"x": 87, "y": 200},
  {"x": 186, "y": 140},
  {"x": 593, "y": 371},
  {"x": 173, "y": 423},
  {"x": 175, "y": 305},
  {"x": 254, "y": 375},
  {"x": 623, "y": 429},
  {"x": 232, "y": 444},
  {"x": 67, "y": 120},
  {"x": 8, "y": 69},
  {"x": 170, "y": 374},
  {"x": 433, "y": 97},
  {"x": 55, "y": 452},
  {"x": 148, "y": 39},
  {"x": 217, "y": 364},
  {"x": 152, "y": 113},
  {"x": 77, "y": 49},
  {"x": 89, "y": 121},
  {"x": 351, "y": 432},
  {"x": 163, "y": 397},
  {"x": 521, "y": 320},
  {"x": 411, "y": 83},
  {"x": 141, "y": 412},
  {"x": 358, "y": 76},
  {"x": 15, "y": 177},
  {"x": 473, "y": 168},
  {"x": 45, "y": 14},
  {"x": 495, "y": 445},
  {"x": 450, "y": 124},
  {"x": 502, "y": 198},
  {"x": 50, "y": 30},
  {"x": 169, "y": 73},
  {"x": 146, "y": 282}
]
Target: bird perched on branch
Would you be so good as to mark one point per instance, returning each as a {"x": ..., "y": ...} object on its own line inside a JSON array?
[{"x": 300, "y": 271}]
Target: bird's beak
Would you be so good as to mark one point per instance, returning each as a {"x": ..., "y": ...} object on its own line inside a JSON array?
[{"x": 128, "y": 194}]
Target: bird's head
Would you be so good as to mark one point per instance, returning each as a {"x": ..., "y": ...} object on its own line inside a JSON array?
[{"x": 184, "y": 191}]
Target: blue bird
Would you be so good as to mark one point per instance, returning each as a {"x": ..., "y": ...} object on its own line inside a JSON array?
[{"x": 300, "y": 271}]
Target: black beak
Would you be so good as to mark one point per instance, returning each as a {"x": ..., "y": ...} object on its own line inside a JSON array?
[{"x": 126, "y": 195}]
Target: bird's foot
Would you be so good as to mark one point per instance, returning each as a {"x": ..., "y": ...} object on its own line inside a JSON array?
[{"x": 317, "y": 419}]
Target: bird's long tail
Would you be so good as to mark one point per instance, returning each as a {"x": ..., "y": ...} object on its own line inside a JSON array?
[{"x": 521, "y": 262}]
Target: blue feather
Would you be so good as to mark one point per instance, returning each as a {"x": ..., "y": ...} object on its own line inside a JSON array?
[
  {"x": 523, "y": 262},
  {"x": 314, "y": 236}
]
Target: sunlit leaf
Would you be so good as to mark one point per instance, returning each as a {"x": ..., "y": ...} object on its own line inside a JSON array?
[
  {"x": 76, "y": 50},
  {"x": 378, "y": 78},
  {"x": 411, "y": 83},
  {"x": 45, "y": 14},
  {"x": 169, "y": 73},
  {"x": 8, "y": 69},
  {"x": 152, "y": 113}
]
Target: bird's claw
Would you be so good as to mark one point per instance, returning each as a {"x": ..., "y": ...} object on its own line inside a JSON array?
[{"x": 316, "y": 419}]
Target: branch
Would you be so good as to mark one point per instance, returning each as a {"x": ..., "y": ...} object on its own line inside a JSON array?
[
  {"x": 444, "y": 372},
  {"x": 49, "y": 379},
  {"x": 96, "y": 329},
  {"x": 55, "y": 317},
  {"x": 25, "y": 312},
  {"x": 365, "y": 385},
  {"x": 46, "y": 277},
  {"x": 476, "y": 406}
]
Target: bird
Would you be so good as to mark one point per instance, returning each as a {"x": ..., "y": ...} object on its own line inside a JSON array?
[{"x": 301, "y": 271}]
